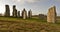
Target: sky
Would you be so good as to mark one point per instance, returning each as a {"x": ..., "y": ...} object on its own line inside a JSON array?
[{"x": 36, "y": 6}]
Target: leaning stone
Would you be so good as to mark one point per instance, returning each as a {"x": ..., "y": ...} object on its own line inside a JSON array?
[{"x": 51, "y": 17}]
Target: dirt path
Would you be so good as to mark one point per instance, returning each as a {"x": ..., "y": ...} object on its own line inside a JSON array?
[{"x": 16, "y": 26}]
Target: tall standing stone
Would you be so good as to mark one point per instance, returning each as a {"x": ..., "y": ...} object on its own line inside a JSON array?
[
  {"x": 7, "y": 12},
  {"x": 24, "y": 14},
  {"x": 51, "y": 17},
  {"x": 14, "y": 11},
  {"x": 18, "y": 14},
  {"x": 29, "y": 14}
]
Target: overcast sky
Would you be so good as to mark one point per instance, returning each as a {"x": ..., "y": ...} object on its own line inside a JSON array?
[{"x": 37, "y": 6}]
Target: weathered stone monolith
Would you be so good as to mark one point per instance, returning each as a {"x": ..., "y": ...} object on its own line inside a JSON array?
[
  {"x": 30, "y": 14},
  {"x": 7, "y": 12},
  {"x": 51, "y": 17},
  {"x": 18, "y": 14},
  {"x": 14, "y": 11},
  {"x": 24, "y": 14}
]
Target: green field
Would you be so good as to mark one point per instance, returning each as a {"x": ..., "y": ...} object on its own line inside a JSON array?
[
  {"x": 10, "y": 24},
  {"x": 20, "y": 19}
]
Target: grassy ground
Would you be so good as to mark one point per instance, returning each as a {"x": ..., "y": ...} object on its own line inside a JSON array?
[
  {"x": 20, "y": 19},
  {"x": 9, "y": 24}
]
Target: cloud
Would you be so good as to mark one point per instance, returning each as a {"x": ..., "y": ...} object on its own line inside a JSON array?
[
  {"x": 57, "y": 1},
  {"x": 32, "y": 1},
  {"x": 24, "y": 1},
  {"x": 19, "y": 1}
]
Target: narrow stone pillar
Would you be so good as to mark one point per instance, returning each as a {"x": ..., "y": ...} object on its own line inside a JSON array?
[
  {"x": 51, "y": 17},
  {"x": 30, "y": 14},
  {"x": 14, "y": 11},
  {"x": 7, "y": 12},
  {"x": 24, "y": 14},
  {"x": 18, "y": 14}
]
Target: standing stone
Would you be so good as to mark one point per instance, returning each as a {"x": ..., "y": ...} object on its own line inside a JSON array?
[
  {"x": 7, "y": 12},
  {"x": 24, "y": 14},
  {"x": 18, "y": 14},
  {"x": 30, "y": 14},
  {"x": 14, "y": 11},
  {"x": 51, "y": 17}
]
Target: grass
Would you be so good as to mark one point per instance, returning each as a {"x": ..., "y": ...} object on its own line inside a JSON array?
[
  {"x": 9, "y": 18},
  {"x": 19, "y": 19},
  {"x": 27, "y": 25}
]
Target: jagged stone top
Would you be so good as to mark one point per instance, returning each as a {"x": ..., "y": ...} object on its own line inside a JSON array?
[
  {"x": 6, "y": 5},
  {"x": 14, "y": 6},
  {"x": 30, "y": 10},
  {"x": 24, "y": 10}
]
